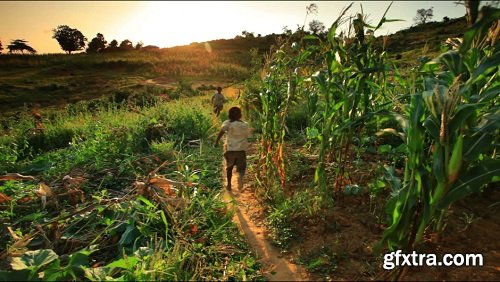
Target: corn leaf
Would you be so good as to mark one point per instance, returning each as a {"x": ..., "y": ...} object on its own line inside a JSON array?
[
  {"x": 472, "y": 181},
  {"x": 489, "y": 94},
  {"x": 485, "y": 68},
  {"x": 452, "y": 61},
  {"x": 462, "y": 114},
  {"x": 432, "y": 127},
  {"x": 476, "y": 144}
]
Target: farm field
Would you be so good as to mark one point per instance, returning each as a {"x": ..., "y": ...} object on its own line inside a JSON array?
[{"x": 361, "y": 147}]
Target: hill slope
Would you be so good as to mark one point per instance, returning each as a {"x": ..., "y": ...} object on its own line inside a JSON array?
[{"x": 55, "y": 80}]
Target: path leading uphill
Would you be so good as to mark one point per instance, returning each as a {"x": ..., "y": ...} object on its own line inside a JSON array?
[{"x": 246, "y": 216}]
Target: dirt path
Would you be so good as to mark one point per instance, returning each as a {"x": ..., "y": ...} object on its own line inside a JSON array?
[{"x": 248, "y": 216}]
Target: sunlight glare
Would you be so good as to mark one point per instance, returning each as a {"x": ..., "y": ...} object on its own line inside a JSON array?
[{"x": 176, "y": 23}]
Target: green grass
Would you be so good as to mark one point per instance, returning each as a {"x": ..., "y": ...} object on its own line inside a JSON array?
[{"x": 131, "y": 235}]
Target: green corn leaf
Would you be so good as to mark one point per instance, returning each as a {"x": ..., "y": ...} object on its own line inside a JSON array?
[
  {"x": 476, "y": 144},
  {"x": 489, "y": 94},
  {"x": 145, "y": 201},
  {"x": 392, "y": 179},
  {"x": 20, "y": 275},
  {"x": 472, "y": 59},
  {"x": 383, "y": 19},
  {"x": 456, "y": 159},
  {"x": 335, "y": 24},
  {"x": 430, "y": 67},
  {"x": 490, "y": 123},
  {"x": 472, "y": 181},
  {"x": 452, "y": 61},
  {"x": 462, "y": 114},
  {"x": 320, "y": 80},
  {"x": 438, "y": 168},
  {"x": 485, "y": 68},
  {"x": 303, "y": 56},
  {"x": 432, "y": 127}
]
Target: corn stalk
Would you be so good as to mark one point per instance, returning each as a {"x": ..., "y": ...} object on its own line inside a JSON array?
[
  {"x": 350, "y": 87},
  {"x": 451, "y": 131},
  {"x": 278, "y": 92}
]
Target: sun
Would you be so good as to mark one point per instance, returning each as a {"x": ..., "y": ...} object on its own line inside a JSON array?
[{"x": 170, "y": 23}]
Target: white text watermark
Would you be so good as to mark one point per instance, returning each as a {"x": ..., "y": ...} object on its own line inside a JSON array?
[{"x": 397, "y": 258}]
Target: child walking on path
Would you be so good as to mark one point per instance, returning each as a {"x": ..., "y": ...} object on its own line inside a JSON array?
[
  {"x": 218, "y": 101},
  {"x": 235, "y": 146}
]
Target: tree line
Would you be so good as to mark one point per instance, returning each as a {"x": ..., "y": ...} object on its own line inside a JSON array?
[{"x": 71, "y": 40}]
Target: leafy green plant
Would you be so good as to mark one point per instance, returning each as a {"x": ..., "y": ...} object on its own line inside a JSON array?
[
  {"x": 322, "y": 261},
  {"x": 450, "y": 126}
]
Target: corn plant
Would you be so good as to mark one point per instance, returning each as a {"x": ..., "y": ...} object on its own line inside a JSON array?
[
  {"x": 451, "y": 130},
  {"x": 349, "y": 90},
  {"x": 278, "y": 92}
]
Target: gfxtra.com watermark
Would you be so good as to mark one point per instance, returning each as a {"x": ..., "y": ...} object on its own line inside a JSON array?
[{"x": 397, "y": 258}]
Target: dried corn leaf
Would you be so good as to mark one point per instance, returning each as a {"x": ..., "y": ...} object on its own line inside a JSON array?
[
  {"x": 24, "y": 200},
  {"x": 4, "y": 198},
  {"x": 14, "y": 236},
  {"x": 15, "y": 176},
  {"x": 72, "y": 182},
  {"x": 140, "y": 188},
  {"x": 166, "y": 185},
  {"x": 44, "y": 190}
]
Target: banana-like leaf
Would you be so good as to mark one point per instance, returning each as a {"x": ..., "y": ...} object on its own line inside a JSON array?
[{"x": 472, "y": 181}]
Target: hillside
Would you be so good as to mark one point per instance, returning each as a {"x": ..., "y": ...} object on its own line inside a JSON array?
[
  {"x": 55, "y": 80},
  {"x": 344, "y": 162},
  {"x": 421, "y": 40}
]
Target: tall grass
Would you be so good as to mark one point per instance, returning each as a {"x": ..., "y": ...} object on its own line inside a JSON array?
[
  {"x": 58, "y": 79},
  {"x": 179, "y": 232}
]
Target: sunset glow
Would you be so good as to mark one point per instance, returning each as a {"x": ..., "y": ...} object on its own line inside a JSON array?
[{"x": 170, "y": 23}]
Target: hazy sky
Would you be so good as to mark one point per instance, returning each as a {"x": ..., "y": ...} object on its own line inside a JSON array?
[{"x": 171, "y": 23}]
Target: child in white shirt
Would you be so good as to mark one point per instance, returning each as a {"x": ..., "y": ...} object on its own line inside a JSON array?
[{"x": 235, "y": 146}]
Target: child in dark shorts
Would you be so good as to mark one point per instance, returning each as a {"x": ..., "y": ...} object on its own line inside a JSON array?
[{"x": 235, "y": 146}]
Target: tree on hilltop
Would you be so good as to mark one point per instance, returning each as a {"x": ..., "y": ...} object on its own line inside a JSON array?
[
  {"x": 1, "y": 47},
  {"x": 97, "y": 44},
  {"x": 126, "y": 45},
  {"x": 70, "y": 39},
  {"x": 316, "y": 27},
  {"x": 139, "y": 45},
  {"x": 247, "y": 34},
  {"x": 423, "y": 15},
  {"x": 21, "y": 46},
  {"x": 112, "y": 46}
]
